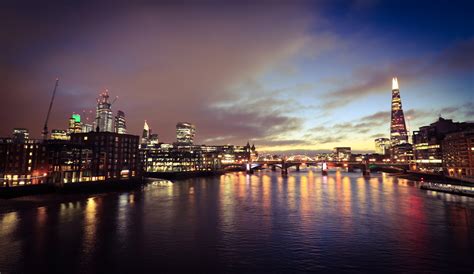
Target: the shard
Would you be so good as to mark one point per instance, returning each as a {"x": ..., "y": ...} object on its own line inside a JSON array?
[{"x": 398, "y": 130}]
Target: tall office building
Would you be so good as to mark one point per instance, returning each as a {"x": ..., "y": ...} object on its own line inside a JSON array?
[
  {"x": 185, "y": 133},
  {"x": 146, "y": 133},
  {"x": 75, "y": 124},
  {"x": 398, "y": 130},
  {"x": 20, "y": 135},
  {"x": 120, "y": 125},
  {"x": 104, "y": 116},
  {"x": 382, "y": 146}
]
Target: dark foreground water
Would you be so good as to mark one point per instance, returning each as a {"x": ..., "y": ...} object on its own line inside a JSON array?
[{"x": 240, "y": 223}]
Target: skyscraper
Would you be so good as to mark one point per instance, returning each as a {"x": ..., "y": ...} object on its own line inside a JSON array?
[
  {"x": 75, "y": 125},
  {"x": 185, "y": 133},
  {"x": 398, "y": 130},
  {"x": 146, "y": 133},
  {"x": 104, "y": 117},
  {"x": 120, "y": 125}
]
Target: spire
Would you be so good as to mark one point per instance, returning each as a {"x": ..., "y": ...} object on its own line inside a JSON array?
[
  {"x": 146, "y": 127},
  {"x": 395, "y": 83}
]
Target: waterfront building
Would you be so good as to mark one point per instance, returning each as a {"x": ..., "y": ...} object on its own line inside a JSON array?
[
  {"x": 114, "y": 156},
  {"x": 174, "y": 159},
  {"x": 20, "y": 135},
  {"x": 382, "y": 146},
  {"x": 75, "y": 124},
  {"x": 402, "y": 153},
  {"x": 458, "y": 154},
  {"x": 398, "y": 130},
  {"x": 185, "y": 133},
  {"x": 59, "y": 134},
  {"x": 342, "y": 153},
  {"x": 22, "y": 163},
  {"x": 427, "y": 143},
  {"x": 103, "y": 120},
  {"x": 120, "y": 123}
]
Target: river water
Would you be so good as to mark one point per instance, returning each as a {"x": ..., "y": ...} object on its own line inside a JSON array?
[{"x": 243, "y": 223}]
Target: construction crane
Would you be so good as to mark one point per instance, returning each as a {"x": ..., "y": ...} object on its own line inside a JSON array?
[{"x": 45, "y": 128}]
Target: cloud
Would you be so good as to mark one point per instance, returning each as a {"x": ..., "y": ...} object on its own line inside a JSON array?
[
  {"x": 167, "y": 63},
  {"x": 374, "y": 79}
]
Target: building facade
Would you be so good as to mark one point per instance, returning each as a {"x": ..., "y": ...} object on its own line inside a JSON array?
[
  {"x": 398, "y": 130},
  {"x": 185, "y": 133},
  {"x": 427, "y": 144},
  {"x": 458, "y": 154},
  {"x": 120, "y": 123},
  {"x": 114, "y": 156},
  {"x": 382, "y": 146},
  {"x": 104, "y": 120}
]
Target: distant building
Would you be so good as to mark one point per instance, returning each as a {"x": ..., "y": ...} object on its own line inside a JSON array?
[
  {"x": 104, "y": 120},
  {"x": 185, "y": 133},
  {"x": 59, "y": 134},
  {"x": 382, "y": 146},
  {"x": 87, "y": 128},
  {"x": 427, "y": 143},
  {"x": 120, "y": 124},
  {"x": 75, "y": 124},
  {"x": 342, "y": 153},
  {"x": 173, "y": 159},
  {"x": 398, "y": 130},
  {"x": 402, "y": 153},
  {"x": 20, "y": 135},
  {"x": 458, "y": 154},
  {"x": 154, "y": 139},
  {"x": 146, "y": 133}
]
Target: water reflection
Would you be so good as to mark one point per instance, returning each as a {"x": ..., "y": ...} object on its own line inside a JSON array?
[{"x": 302, "y": 222}]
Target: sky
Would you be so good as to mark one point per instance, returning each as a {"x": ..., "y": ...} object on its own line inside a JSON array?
[{"x": 285, "y": 75}]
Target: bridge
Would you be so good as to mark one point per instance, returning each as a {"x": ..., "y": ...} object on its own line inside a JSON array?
[{"x": 299, "y": 161}]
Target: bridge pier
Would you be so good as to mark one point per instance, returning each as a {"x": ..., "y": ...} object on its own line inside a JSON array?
[
  {"x": 273, "y": 167},
  {"x": 284, "y": 171},
  {"x": 297, "y": 167}
]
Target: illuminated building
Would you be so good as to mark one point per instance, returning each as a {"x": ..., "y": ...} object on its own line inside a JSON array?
[
  {"x": 146, "y": 133},
  {"x": 59, "y": 134},
  {"x": 154, "y": 139},
  {"x": 87, "y": 128},
  {"x": 342, "y": 153},
  {"x": 104, "y": 120},
  {"x": 185, "y": 134},
  {"x": 172, "y": 159},
  {"x": 382, "y": 146},
  {"x": 402, "y": 153},
  {"x": 398, "y": 130},
  {"x": 75, "y": 125},
  {"x": 427, "y": 144},
  {"x": 22, "y": 163},
  {"x": 120, "y": 125},
  {"x": 458, "y": 154},
  {"x": 20, "y": 135},
  {"x": 114, "y": 156}
]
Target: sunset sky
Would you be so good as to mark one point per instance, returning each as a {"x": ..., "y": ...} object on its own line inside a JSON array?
[{"x": 286, "y": 75}]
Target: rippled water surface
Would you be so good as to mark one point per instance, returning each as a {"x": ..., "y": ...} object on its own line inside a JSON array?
[{"x": 241, "y": 223}]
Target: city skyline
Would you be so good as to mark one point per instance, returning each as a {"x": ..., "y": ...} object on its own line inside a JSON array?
[{"x": 300, "y": 82}]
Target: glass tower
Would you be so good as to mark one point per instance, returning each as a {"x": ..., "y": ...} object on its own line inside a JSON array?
[{"x": 398, "y": 130}]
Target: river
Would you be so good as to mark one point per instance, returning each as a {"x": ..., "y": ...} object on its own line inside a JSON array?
[{"x": 243, "y": 223}]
